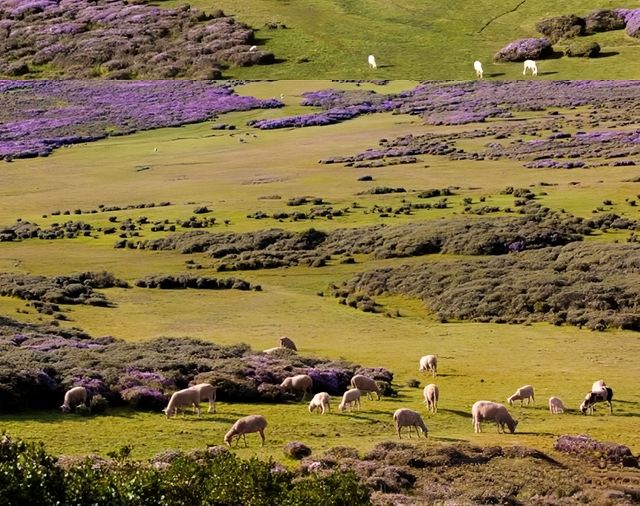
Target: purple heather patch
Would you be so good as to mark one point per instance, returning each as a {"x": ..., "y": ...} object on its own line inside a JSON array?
[{"x": 37, "y": 117}]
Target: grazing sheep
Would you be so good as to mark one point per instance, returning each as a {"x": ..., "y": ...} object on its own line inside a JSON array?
[
  {"x": 592, "y": 397},
  {"x": 487, "y": 410},
  {"x": 599, "y": 387},
  {"x": 285, "y": 342},
  {"x": 408, "y": 418},
  {"x": 73, "y": 398},
  {"x": 477, "y": 66},
  {"x": 522, "y": 394},
  {"x": 181, "y": 399},
  {"x": 431, "y": 394},
  {"x": 207, "y": 393},
  {"x": 365, "y": 384},
  {"x": 298, "y": 383},
  {"x": 372, "y": 62},
  {"x": 349, "y": 398},
  {"x": 555, "y": 406},
  {"x": 269, "y": 351},
  {"x": 321, "y": 400},
  {"x": 429, "y": 363},
  {"x": 530, "y": 65},
  {"x": 246, "y": 425}
]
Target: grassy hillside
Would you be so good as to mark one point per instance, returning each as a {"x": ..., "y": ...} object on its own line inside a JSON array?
[
  {"x": 195, "y": 166},
  {"x": 330, "y": 39}
]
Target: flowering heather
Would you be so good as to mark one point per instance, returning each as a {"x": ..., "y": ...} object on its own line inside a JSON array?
[
  {"x": 632, "y": 21},
  {"x": 523, "y": 49},
  {"x": 444, "y": 103},
  {"x": 117, "y": 40},
  {"x": 37, "y": 117}
]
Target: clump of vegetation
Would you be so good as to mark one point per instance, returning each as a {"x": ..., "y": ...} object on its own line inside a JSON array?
[
  {"x": 32, "y": 476},
  {"x": 72, "y": 289},
  {"x": 582, "y": 284},
  {"x": 561, "y": 27},
  {"x": 38, "y": 363},
  {"x": 168, "y": 282},
  {"x": 585, "y": 49},
  {"x": 596, "y": 452}
]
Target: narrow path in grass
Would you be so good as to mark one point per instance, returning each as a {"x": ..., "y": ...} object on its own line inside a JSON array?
[{"x": 500, "y": 15}]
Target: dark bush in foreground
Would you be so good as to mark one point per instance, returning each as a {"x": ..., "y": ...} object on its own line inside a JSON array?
[
  {"x": 30, "y": 476},
  {"x": 524, "y": 49},
  {"x": 587, "y": 49}
]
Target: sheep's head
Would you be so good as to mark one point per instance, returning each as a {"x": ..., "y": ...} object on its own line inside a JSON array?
[
  {"x": 584, "y": 407},
  {"x": 65, "y": 409},
  {"x": 228, "y": 437}
]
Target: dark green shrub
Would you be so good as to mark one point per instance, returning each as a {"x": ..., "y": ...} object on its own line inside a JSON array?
[
  {"x": 603, "y": 20},
  {"x": 580, "y": 48},
  {"x": 561, "y": 27}
]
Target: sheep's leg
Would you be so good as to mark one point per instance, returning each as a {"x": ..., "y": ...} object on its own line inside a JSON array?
[
  {"x": 262, "y": 436},
  {"x": 244, "y": 438},
  {"x": 398, "y": 431}
]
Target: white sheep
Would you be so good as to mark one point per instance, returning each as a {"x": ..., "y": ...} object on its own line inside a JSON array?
[
  {"x": 246, "y": 425},
  {"x": 372, "y": 62},
  {"x": 207, "y": 393},
  {"x": 477, "y": 66},
  {"x": 349, "y": 399},
  {"x": 599, "y": 387},
  {"x": 365, "y": 385},
  {"x": 431, "y": 394},
  {"x": 429, "y": 363},
  {"x": 321, "y": 400},
  {"x": 522, "y": 394},
  {"x": 530, "y": 65},
  {"x": 298, "y": 383},
  {"x": 269, "y": 351},
  {"x": 586, "y": 407},
  {"x": 285, "y": 342},
  {"x": 73, "y": 398},
  {"x": 555, "y": 405},
  {"x": 408, "y": 418},
  {"x": 182, "y": 399},
  {"x": 253, "y": 48},
  {"x": 487, "y": 410}
]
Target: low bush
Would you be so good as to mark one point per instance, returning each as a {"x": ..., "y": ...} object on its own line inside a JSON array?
[
  {"x": 31, "y": 476},
  {"x": 561, "y": 27},
  {"x": 525, "y": 49},
  {"x": 585, "y": 49}
]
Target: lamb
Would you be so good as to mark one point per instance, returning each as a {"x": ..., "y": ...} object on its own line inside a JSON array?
[
  {"x": 372, "y": 62},
  {"x": 207, "y": 393},
  {"x": 431, "y": 394},
  {"x": 592, "y": 397},
  {"x": 408, "y": 418},
  {"x": 487, "y": 410},
  {"x": 246, "y": 425},
  {"x": 73, "y": 398},
  {"x": 183, "y": 398},
  {"x": 477, "y": 66},
  {"x": 555, "y": 406},
  {"x": 429, "y": 363},
  {"x": 349, "y": 398},
  {"x": 285, "y": 342},
  {"x": 298, "y": 383},
  {"x": 522, "y": 394},
  {"x": 365, "y": 384},
  {"x": 530, "y": 65},
  {"x": 321, "y": 400}
]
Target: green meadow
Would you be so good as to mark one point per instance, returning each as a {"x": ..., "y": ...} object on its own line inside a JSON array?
[
  {"x": 330, "y": 39},
  {"x": 195, "y": 165}
]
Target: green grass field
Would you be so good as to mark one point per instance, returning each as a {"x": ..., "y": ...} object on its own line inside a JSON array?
[
  {"x": 195, "y": 165},
  {"x": 417, "y": 40}
]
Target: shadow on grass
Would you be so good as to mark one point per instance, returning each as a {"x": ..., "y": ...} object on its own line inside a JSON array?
[
  {"x": 546, "y": 73},
  {"x": 496, "y": 74},
  {"x": 463, "y": 414},
  {"x": 606, "y": 54}
]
